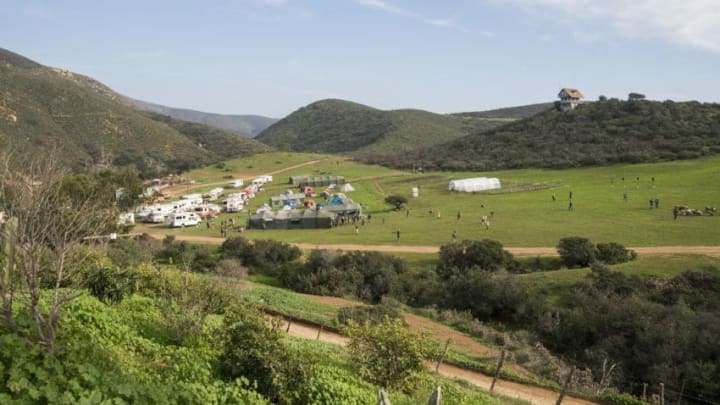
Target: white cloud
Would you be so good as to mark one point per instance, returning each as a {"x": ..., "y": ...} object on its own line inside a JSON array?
[
  {"x": 694, "y": 23},
  {"x": 397, "y": 10}
]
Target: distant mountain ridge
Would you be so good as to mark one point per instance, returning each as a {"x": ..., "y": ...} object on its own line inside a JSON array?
[
  {"x": 43, "y": 108},
  {"x": 244, "y": 125},
  {"x": 340, "y": 126}
]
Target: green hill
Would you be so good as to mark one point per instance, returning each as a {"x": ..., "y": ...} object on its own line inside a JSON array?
[
  {"x": 517, "y": 112},
  {"x": 338, "y": 126},
  {"x": 599, "y": 133},
  {"x": 43, "y": 108}
]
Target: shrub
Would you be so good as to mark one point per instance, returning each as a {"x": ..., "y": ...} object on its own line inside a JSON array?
[
  {"x": 396, "y": 200},
  {"x": 389, "y": 355},
  {"x": 256, "y": 352},
  {"x": 374, "y": 314},
  {"x": 576, "y": 251},
  {"x": 614, "y": 253},
  {"x": 485, "y": 254},
  {"x": 612, "y": 398}
]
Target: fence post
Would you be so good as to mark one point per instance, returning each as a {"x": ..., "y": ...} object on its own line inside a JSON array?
[
  {"x": 565, "y": 386},
  {"x": 644, "y": 395},
  {"x": 682, "y": 389},
  {"x": 442, "y": 357},
  {"x": 319, "y": 332},
  {"x": 289, "y": 321},
  {"x": 662, "y": 393},
  {"x": 500, "y": 362}
]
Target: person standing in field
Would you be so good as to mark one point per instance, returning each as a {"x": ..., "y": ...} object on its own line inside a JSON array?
[
  {"x": 553, "y": 197},
  {"x": 397, "y": 235},
  {"x": 357, "y": 230},
  {"x": 459, "y": 216},
  {"x": 454, "y": 237},
  {"x": 570, "y": 206}
]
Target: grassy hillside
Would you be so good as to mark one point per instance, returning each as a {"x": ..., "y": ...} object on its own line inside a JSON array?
[
  {"x": 244, "y": 125},
  {"x": 336, "y": 126},
  {"x": 513, "y": 113},
  {"x": 42, "y": 108},
  {"x": 599, "y": 133}
]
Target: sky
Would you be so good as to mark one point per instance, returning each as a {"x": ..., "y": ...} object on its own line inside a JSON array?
[{"x": 271, "y": 57}]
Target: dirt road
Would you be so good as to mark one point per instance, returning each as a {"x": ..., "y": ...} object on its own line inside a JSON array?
[
  {"x": 517, "y": 251},
  {"x": 532, "y": 394},
  {"x": 179, "y": 190}
]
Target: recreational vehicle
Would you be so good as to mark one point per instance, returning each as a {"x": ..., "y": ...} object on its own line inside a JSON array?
[{"x": 183, "y": 219}]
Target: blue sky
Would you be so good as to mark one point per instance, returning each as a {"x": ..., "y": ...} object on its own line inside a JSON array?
[{"x": 271, "y": 57}]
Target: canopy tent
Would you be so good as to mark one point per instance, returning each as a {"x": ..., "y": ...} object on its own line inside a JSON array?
[
  {"x": 292, "y": 219},
  {"x": 474, "y": 184},
  {"x": 347, "y": 187}
]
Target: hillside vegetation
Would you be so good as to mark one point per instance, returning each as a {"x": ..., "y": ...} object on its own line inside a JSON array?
[
  {"x": 43, "y": 108},
  {"x": 338, "y": 126},
  {"x": 599, "y": 133},
  {"x": 244, "y": 125}
]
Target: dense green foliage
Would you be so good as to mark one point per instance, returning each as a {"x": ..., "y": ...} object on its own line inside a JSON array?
[
  {"x": 368, "y": 276},
  {"x": 509, "y": 113},
  {"x": 599, "y": 133},
  {"x": 341, "y": 126},
  {"x": 42, "y": 108},
  {"x": 266, "y": 256},
  {"x": 580, "y": 252},
  {"x": 256, "y": 352},
  {"x": 373, "y": 314},
  {"x": 387, "y": 355}
]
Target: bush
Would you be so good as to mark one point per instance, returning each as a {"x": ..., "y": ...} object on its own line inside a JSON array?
[
  {"x": 388, "y": 355},
  {"x": 373, "y": 314},
  {"x": 614, "y": 253},
  {"x": 396, "y": 200},
  {"x": 261, "y": 255},
  {"x": 485, "y": 254},
  {"x": 611, "y": 398},
  {"x": 576, "y": 251},
  {"x": 256, "y": 352}
]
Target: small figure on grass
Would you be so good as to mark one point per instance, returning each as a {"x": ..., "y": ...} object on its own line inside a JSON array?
[
  {"x": 454, "y": 237},
  {"x": 570, "y": 206},
  {"x": 397, "y": 235},
  {"x": 459, "y": 216},
  {"x": 553, "y": 197},
  {"x": 657, "y": 203},
  {"x": 357, "y": 230}
]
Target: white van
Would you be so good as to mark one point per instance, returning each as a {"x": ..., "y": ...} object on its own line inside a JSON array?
[
  {"x": 183, "y": 219},
  {"x": 236, "y": 183},
  {"x": 156, "y": 218}
]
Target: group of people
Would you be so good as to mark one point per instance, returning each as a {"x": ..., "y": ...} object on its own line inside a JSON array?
[{"x": 226, "y": 225}]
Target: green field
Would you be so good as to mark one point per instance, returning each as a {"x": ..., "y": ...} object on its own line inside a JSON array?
[
  {"x": 555, "y": 283},
  {"x": 521, "y": 218}
]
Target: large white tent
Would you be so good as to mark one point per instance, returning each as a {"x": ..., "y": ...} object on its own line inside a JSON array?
[{"x": 474, "y": 184}]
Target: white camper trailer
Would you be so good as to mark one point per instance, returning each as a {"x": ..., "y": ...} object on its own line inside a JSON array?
[
  {"x": 183, "y": 219},
  {"x": 235, "y": 183}
]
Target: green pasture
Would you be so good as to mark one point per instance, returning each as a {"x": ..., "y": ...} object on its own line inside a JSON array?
[
  {"x": 554, "y": 283},
  {"x": 524, "y": 213}
]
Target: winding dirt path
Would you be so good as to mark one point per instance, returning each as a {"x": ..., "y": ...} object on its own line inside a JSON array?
[
  {"x": 176, "y": 191},
  {"x": 532, "y": 394}
]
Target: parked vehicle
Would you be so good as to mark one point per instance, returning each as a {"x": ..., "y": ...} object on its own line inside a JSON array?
[
  {"x": 183, "y": 219},
  {"x": 155, "y": 218},
  {"x": 236, "y": 183}
]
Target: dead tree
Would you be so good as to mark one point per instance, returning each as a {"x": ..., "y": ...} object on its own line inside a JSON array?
[{"x": 46, "y": 224}]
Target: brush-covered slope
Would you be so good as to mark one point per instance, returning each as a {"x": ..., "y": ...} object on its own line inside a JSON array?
[
  {"x": 338, "y": 126},
  {"x": 597, "y": 133},
  {"x": 44, "y": 108},
  {"x": 243, "y": 125}
]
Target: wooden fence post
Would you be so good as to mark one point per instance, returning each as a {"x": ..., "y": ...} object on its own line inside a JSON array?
[
  {"x": 289, "y": 321},
  {"x": 644, "y": 395},
  {"x": 442, "y": 357},
  {"x": 662, "y": 393},
  {"x": 682, "y": 389},
  {"x": 500, "y": 362},
  {"x": 319, "y": 332},
  {"x": 565, "y": 386}
]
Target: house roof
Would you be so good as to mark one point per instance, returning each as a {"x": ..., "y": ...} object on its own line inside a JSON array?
[{"x": 574, "y": 93}]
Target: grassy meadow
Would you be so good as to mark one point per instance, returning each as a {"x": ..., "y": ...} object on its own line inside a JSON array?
[{"x": 524, "y": 213}]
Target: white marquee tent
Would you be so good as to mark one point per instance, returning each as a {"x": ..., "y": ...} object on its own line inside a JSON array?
[{"x": 474, "y": 184}]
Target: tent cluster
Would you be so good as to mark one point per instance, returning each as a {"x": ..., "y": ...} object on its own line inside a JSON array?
[
  {"x": 292, "y": 219},
  {"x": 474, "y": 184},
  {"x": 317, "y": 181}
]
